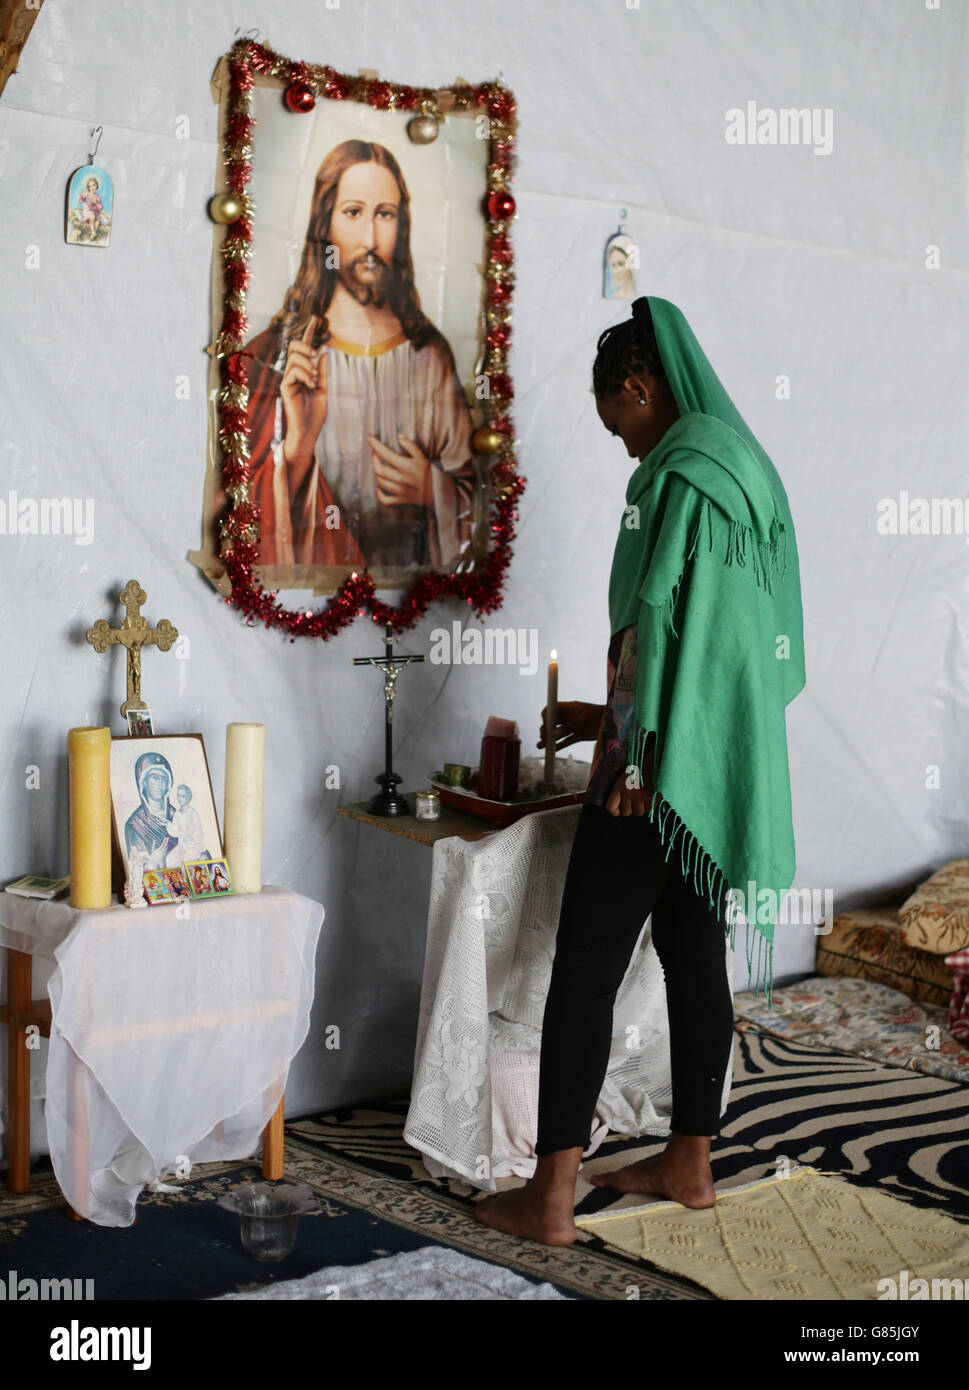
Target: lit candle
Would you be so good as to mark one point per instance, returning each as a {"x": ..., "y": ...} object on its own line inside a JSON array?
[
  {"x": 245, "y": 753},
  {"x": 551, "y": 717},
  {"x": 89, "y": 782}
]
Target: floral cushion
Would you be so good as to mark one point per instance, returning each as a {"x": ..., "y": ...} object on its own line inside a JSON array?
[
  {"x": 936, "y": 917},
  {"x": 869, "y": 945}
]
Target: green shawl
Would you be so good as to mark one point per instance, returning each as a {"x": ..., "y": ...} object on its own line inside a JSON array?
[{"x": 706, "y": 564}]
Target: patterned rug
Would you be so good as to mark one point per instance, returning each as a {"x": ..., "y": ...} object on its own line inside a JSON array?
[
  {"x": 806, "y": 1236},
  {"x": 791, "y": 1104},
  {"x": 859, "y": 1016}
]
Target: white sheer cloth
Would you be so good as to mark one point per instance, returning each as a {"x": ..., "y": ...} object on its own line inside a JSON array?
[
  {"x": 171, "y": 1037},
  {"x": 491, "y": 930}
]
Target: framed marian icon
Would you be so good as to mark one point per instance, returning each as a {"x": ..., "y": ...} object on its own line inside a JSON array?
[
  {"x": 90, "y": 207},
  {"x": 360, "y": 436},
  {"x": 163, "y": 804}
]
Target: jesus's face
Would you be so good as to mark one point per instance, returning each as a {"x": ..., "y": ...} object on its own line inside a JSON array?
[{"x": 363, "y": 228}]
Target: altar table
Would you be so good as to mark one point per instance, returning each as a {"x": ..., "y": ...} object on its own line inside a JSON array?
[
  {"x": 491, "y": 928},
  {"x": 170, "y": 1036}
]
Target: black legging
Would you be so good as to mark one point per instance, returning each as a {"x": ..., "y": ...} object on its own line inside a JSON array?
[{"x": 618, "y": 874}]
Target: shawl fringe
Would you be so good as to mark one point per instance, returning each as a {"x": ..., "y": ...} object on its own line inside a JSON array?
[{"x": 766, "y": 561}]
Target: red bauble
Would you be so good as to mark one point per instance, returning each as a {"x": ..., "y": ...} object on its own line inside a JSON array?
[
  {"x": 500, "y": 205},
  {"x": 299, "y": 97}
]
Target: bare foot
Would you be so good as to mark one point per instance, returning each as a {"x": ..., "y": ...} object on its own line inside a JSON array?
[
  {"x": 523, "y": 1211},
  {"x": 664, "y": 1176}
]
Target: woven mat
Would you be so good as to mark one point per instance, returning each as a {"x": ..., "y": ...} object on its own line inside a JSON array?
[{"x": 809, "y": 1235}]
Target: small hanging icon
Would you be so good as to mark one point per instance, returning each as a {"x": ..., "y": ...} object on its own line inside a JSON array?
[{"x": 90, "y": 202}]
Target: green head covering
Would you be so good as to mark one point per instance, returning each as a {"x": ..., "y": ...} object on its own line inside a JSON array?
[{"x": 706, "y": 566}]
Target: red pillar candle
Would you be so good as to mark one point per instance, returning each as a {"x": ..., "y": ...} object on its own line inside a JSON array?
[{"x": 500, "y": 754}]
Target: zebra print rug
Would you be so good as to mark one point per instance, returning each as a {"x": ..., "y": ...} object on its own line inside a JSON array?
[{"x": 874, "y": 1124}]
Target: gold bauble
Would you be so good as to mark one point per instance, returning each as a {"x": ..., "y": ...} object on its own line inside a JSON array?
[
  {"x": 422, "y": 130},
  {"x": 225, "y": 208},
  {"x": 486, "y": 440}
]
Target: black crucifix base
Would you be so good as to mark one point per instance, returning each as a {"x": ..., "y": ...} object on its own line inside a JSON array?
[{"x": 389, "y": 801}]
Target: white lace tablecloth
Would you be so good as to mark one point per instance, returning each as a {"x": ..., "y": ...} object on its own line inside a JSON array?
[
  {"x": 171, "y": 1037},
  {"x": 491, "y": 930}
]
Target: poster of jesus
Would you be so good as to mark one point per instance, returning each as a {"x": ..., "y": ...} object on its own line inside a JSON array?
[{"x": 366, "y": 290}]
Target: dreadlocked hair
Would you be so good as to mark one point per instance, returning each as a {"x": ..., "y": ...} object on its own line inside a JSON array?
[{"x": 626, "y": 349}]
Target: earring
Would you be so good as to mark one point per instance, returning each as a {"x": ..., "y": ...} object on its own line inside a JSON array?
[{"x": 642, "y": 402}]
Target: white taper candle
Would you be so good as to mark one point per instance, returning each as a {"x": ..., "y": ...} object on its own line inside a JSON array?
[{"x": 551, "y": 718}]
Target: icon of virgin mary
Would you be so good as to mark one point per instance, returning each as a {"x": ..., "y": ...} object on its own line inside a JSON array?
[{"x": 148, "y": 827}]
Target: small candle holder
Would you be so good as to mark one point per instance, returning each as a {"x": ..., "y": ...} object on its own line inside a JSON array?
[
  {"x": 268, "y": 1216},
  {"x": 456, "y": 774},
  {"x": 428, "y": 804}
]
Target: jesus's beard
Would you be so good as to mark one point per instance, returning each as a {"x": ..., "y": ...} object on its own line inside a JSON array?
[{"x": 374, "y": 292}]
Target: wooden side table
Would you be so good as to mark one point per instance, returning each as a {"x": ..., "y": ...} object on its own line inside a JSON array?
[
  {"x": 19, "y": 1013},
  {"x": 425, "y": 832}
]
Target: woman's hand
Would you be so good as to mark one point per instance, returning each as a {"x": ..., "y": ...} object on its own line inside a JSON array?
[
  {"x": 304, "y": 397},
  {"x": 632, "y": 800},
  {"x": 577, "y": 723}
]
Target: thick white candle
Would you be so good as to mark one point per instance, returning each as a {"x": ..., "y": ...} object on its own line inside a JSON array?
[
  {"x": 551, "y": 718},
  {"x": 245, "y": 757}
]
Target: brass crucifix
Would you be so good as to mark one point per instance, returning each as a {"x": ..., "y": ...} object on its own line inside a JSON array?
[{"x": 134, "y": 633}]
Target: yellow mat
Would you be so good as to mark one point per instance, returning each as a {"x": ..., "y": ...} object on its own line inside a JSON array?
[{"x": 808, "y": 1235}]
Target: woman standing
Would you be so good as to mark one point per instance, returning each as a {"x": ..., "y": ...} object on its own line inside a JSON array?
[{"x": 688, "y": 804}]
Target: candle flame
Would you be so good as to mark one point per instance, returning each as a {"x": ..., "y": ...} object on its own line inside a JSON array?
[{"x": 555, "y": 655}]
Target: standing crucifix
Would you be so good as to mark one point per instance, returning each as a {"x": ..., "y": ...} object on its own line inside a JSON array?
[
  {"x": 134, "y": 633},
  {"x": 388, "y": 802}
]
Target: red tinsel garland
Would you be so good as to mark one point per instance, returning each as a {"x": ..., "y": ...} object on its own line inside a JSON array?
[{"x": 482, "y": 589}]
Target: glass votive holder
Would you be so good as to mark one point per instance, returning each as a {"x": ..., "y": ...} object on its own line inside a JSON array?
[
  {"x": 268, "y": 1216},
  {"x": 428, "y": 802}
]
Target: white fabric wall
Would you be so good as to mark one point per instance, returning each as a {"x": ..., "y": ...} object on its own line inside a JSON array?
[{"x": 784, "y": 262}]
